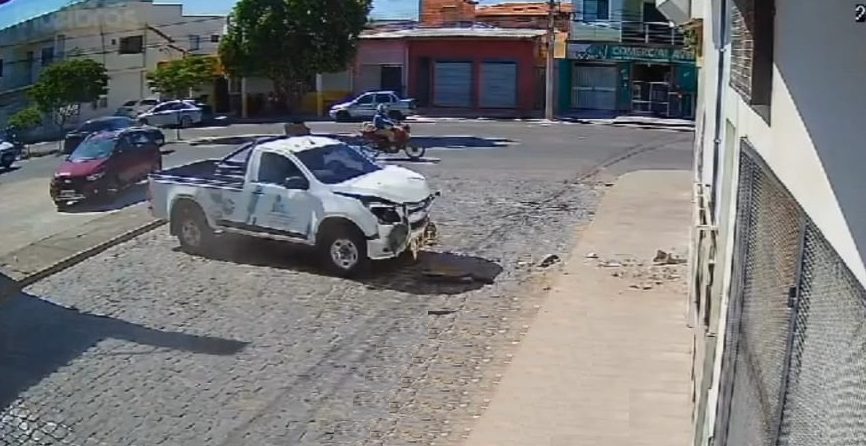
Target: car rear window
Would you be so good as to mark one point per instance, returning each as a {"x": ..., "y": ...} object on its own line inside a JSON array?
[
  {"x": 149, "y": 102},
  {"x": 129, "y": 103}
]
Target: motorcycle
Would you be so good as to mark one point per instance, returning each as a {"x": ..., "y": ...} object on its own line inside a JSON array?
[
  {"x": 11, "y": 148},
  {"x": 402, "y": 137}
]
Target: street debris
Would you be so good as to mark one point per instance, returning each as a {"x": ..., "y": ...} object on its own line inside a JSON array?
[
  {"x": 440, "y": 312},
  {"x": 666, "y": 258},
  {"x": 550, "y": 260},
  {"x": 591, "y": 255},
  {"x": 610, "y": 264}
]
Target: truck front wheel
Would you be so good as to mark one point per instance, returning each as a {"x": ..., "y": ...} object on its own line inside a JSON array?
[
  {"x": 192, "y": 229},
  {"x": 344, "y": 250}
]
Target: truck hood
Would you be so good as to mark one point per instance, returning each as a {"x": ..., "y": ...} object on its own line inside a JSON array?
[
  {"x": 392, "y": 183},
  {"x": 4, "y": 145},
  {"x": 341, "y": 105}
]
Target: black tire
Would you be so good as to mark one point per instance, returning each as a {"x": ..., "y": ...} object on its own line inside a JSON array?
[
  {"x": 343, "y": 250},
  {"x": 62, "y": 207},
  {"x": 191, "y": 228},
  {"x": 343, "y": 116},
  {"x": 395, "y": 115},
  {"x": 415, "y": 153},
  {"x": 143, "y": 121},
  {"x": 159, "y": 140}
]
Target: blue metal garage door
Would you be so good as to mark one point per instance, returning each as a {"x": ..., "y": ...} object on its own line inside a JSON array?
[
  {"x": 499, "y": 85},
  {"x": 452, "y": 84}
]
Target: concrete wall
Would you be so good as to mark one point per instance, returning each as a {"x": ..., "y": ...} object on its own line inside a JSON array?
[{"x": 372, "y": 54}]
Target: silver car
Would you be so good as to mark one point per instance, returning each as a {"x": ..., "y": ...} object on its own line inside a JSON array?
[
  {"x": 132, "y": 109},
  {"x": 364, "y": 106},
  {"x": 182, "y": 113}
]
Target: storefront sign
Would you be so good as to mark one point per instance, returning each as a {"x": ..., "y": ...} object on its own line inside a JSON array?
[{"x": 601, "y": 51}]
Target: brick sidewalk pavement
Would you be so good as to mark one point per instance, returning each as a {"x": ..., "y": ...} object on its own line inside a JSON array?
[{"x": 607, "y": 360}]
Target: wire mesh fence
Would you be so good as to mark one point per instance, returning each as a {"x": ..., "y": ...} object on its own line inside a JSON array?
[
  {"x": 825, "y": 401},
  {"x": 796, "y": 369}
]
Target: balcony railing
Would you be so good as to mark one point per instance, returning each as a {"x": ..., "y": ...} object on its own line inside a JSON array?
[
  {"x": 650, "y": 33},
  {"x": 656, "y": 33}
]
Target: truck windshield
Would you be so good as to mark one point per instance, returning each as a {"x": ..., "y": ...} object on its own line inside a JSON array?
[{"x": 336, "y": 163}]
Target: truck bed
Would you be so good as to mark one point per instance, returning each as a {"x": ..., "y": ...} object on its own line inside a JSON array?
[{"x": 207, "y": 173}]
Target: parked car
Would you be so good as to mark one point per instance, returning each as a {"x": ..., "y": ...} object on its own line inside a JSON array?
[
  {"x": 132, "y": 109},
  {"x": 103, "y": 164},
  {"x": 183, "y": 113},
  {"x": 308, "y": 190},
  {"x": 364, "y": 106},
  {"x": 108, "y": 123}
]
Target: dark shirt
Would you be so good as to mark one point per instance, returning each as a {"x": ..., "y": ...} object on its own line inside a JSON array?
[{"x": 381, "y": 122}]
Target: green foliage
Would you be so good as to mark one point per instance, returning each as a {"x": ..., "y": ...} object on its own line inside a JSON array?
[
  {"x": 26, "y": 119},
  {"x": 178, "y": 77},
  {"x": 289, "y": 41},
  {"x": 63, "y": 86}
]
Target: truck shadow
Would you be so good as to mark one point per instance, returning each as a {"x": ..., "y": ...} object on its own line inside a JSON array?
[
  {"x": 434, "y": 273},
  {"x": 37, "y": 337}
]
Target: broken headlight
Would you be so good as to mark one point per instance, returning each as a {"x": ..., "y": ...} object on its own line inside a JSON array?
[{"x": 387, "y": 215}]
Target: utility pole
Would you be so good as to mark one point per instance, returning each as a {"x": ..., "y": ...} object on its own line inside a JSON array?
[{"x": 548, "y": 72}]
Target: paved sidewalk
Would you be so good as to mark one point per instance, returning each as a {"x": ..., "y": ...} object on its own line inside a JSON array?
[{"x": 607, "y": 360}]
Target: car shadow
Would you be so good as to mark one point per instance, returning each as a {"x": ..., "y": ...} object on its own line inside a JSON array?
[
  {"x": 37, "y": 337},
  {"x": 131, "y": 196},
  {"x": 436, "y": 142},
  {"x": 434, "y": 273},
  {"x": 9, "y": 169},
  {"x": 461, "y": 142}
]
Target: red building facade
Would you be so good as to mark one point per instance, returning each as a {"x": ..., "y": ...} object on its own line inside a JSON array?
[{"x": 481, "y": 73}]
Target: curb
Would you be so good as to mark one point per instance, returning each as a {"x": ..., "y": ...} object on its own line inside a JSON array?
[{"x": 17, "y": 286}]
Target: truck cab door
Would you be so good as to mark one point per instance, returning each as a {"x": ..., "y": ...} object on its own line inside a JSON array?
[{"x": 278, "y": 200}]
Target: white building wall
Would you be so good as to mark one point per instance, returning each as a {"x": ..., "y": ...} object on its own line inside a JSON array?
[
  {"x": 96, "y": 33},
  {"x": 812, "y": 142}
]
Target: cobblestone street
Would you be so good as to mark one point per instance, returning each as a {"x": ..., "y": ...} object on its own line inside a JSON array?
[{"x": 147, "y": 345}]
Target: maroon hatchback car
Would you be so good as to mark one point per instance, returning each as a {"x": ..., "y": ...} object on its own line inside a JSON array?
[{"x": 104, "y": 164}]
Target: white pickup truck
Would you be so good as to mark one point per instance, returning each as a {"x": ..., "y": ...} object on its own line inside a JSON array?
[{"x": 310, "y": 190}]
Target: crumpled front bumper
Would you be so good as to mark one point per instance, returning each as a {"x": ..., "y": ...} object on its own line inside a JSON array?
[{"x": 393, "y": 240}]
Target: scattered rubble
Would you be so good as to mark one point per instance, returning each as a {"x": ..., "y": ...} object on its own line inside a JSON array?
[
  {"x": 591, "y": 255},
  {"x": 550, "y": 260},
  {"x": 666, "y": 258}
]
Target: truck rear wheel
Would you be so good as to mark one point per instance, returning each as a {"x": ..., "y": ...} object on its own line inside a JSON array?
[
  {"x": 192, "y": 229},
  {"x": 343, "y": 249}
]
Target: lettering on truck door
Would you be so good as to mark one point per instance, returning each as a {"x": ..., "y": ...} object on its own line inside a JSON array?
[{"x": 283, "y": 205}]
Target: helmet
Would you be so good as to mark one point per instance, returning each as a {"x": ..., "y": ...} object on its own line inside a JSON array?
[{"x": 382, "y": 108}]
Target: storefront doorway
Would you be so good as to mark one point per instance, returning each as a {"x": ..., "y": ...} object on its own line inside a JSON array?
[
  {"x": 594, "y": 87},
  {"x": 651, "y": 88}
]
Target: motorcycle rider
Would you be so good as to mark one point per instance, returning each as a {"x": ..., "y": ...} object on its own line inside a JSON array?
[{"x": 384, "y": 125}]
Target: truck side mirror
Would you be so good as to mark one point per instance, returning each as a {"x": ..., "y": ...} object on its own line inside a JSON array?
[{"x": 297, "y": 183}]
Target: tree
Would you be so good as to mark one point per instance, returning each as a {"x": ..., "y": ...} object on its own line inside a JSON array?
[
  {"x": 290, "y": 41},
  {"x": 63, "y": 86},
  {"x": 26, "y": 119},
  {"x": 179, "y": 77}
]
